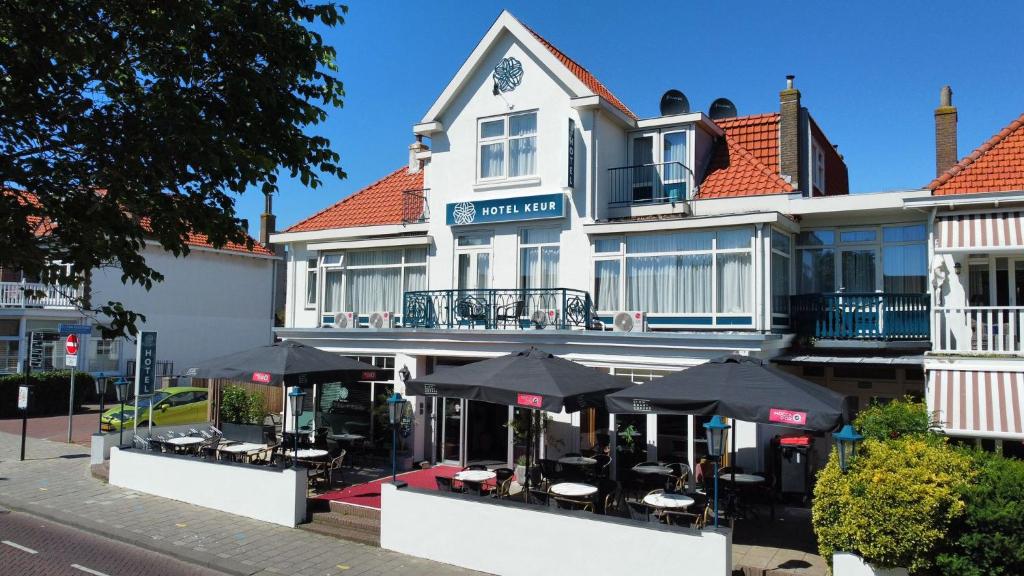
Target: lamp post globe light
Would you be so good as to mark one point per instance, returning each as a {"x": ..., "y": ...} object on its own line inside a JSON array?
[
  {"x": 396, "y": 407},
  {"x": 295, "y": 397},
  {"x": 715, "y": 429},
  {"x": 846, "y": 441},
  {"x": 121, "y": 386}
]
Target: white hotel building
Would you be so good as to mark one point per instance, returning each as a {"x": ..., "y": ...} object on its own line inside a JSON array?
[{"x": 537, "y": 210}]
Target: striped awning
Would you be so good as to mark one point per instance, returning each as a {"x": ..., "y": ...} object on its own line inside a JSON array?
[
  {"x": 976, "y": 402},
  {"x": 980, "y": 231}
]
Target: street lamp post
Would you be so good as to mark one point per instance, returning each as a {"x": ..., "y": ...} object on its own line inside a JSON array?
[
  {"x": 101, "y": 391},
  {"x": 715, "y": 431},
  {"x": 121, "y": 386},
  {"x": 295, "y": 398},
  {"x": 846, "y": 441},
  {"x": 396, "y": 407}
]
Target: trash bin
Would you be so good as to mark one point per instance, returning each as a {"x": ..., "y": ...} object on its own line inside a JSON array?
[{"x": 794, "y": 464}]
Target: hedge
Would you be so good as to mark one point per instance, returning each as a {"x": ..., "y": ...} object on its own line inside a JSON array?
[{"x": 49, "y": 392}]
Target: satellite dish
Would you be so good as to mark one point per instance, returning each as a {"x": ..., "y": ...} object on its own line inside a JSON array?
[
  {"x": 674, "y": 102},
  {"x": 722, "y": 108}
]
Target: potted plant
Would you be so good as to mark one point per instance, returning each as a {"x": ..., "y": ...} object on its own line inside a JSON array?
[
  {"x": 242, "y": 414},
  {"x": 520, "y": 470}
]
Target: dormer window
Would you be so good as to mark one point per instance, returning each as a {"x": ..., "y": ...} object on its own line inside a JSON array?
[
  {"x": 508, "y": 146},
  {"x": 819, "y": 169}
]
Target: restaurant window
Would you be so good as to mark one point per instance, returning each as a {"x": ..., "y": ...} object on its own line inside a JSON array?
[
  {"x": 311, "y": 287},
  {"x": 508, "y": 146},
  {"x": 538, "y": 257},
  {"x": 781, "y": 250},
  {"x": 369, "y": 281}
]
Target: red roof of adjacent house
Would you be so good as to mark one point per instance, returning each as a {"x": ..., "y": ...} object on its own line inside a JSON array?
[
  {"x": 377, "y": 204},
  {"x": 747, "y": 162},
  {"x": 584, "y": 75},
  {"x": 996, "y": 166}
]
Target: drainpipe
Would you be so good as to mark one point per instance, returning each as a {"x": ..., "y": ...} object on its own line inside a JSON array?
[{"x": 931, "y": 291}]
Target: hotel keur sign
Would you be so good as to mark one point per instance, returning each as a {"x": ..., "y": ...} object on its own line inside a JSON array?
[{"x": 505, "y": 209}]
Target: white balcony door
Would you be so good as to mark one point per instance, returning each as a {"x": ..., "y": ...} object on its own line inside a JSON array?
[
  {"x": 859, "y": 270},
  {"x": 641, "y": 157},
  {"x": 473, "y": 268}
]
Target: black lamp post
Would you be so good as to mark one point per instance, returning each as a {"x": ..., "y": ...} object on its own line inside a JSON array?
[
  {"x": 295, "y": 398},
  {"x": 716, "y": 430},
  {"x": 121, "y": 386},
  {"x": 101, "y": 391},
  {"x": 396, "y": 407},
  {"x": 846, "y": 441}
]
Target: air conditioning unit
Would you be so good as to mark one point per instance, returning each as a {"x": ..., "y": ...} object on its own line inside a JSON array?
[
  {"x": 381, "y": 320},
  {"x": 629, "y": 321},
  {"x": 340, "y": 320},
  {"x": 544, "y": 317}
]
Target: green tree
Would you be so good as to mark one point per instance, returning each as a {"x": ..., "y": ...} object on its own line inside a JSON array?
[{"x": 134, "y": 122}]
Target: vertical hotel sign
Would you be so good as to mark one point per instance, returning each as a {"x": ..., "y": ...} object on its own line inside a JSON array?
[
  {"x": 571, "y": 170},
  {"x": 145, "y": 364}
]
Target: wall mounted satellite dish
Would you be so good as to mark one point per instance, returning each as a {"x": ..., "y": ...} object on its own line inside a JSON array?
[
  {"x": 674, "y": 102},
  {"x": 722, "y": 108}
]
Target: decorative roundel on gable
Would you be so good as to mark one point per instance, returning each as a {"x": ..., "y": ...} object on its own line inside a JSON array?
[{"x": 508, "y": 74}]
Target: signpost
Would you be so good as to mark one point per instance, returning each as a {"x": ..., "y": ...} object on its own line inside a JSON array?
[
  {"x": 71, "y": 360},
  {"x": 145, "y": 372},
  {"x": 23, "y": 393}
]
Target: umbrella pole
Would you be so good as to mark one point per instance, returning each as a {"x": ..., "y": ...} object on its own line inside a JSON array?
[{"x": 529, "y": 446}]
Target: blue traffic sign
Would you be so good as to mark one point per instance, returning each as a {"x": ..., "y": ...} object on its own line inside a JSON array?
[{"x": 80, "y": 329}]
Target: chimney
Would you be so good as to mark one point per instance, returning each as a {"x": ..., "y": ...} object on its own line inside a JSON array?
[
  {"x": 267, "y": 220},
  {"x": 945, "y": 132},
  {"x": 415, "y": 148},
  {"x": 789, "y": 133}
]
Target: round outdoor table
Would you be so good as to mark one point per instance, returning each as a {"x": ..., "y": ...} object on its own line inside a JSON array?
[
  {"x": 474, "y": 476},
  {"x": 668, "y": 500},
  {"x": 185, "y": 441},
  {"x": 663, "y": 470},
  {"x": 242, "y": 448},
  {"x": 573, "y": 489},
  {"x": 346, "y": 437},
  {"x": 577, "y": 461},
  {"x": 307, "y": 453},
  {"x": 742, "y": 478}
]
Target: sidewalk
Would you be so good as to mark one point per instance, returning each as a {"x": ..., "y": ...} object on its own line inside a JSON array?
[{"x": 54, "y": 482}]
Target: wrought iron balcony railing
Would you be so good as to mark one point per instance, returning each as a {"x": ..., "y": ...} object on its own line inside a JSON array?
[
  {"x": 511, "y": 308},
  {"x": 664, "y": 183},
  {"x": 414, "y": 206},
  {"x": 864, "y": 316}
]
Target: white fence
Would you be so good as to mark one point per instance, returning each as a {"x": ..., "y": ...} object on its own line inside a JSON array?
[
  {"x": 979, "y": 329},
  {"x": 515, "y": 539},
  {"x": 267, "y": 494},
  {"x": 12, "y": 295}
]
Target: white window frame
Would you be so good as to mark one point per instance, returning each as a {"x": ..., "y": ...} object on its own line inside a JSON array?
[
  {"x": 779, "y": 318},
  {"x": 312, "y": 276},
  {"x": 540, "y": 250},
  {"x": 838, "y": 246},
  {"x": 473, "y": 250},
  {"x": 343, "y": 268},
  {"x": 818, "y": 168},
  {"x": 505, "y": 140}
]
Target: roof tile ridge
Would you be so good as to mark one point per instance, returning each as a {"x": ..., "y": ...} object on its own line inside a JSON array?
[
  {"x": 366, "y": 188},
  {"x": 978, "y": 152}
]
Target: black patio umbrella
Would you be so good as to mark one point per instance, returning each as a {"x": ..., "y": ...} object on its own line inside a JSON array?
[
  {"x": 529, "y": 378},
  {"x": 288, "y": 363},
  {"x": 737, "y": 387}
]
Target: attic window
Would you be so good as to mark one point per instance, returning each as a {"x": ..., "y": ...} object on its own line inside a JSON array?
[
  {"x": 508, "y": 146},
  {"x": 819, "y": 169}
]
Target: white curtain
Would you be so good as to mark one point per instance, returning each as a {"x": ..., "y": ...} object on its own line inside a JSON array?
[
  {"x": 735, "y": 286},
  {"x": 415, "y": 278},
  {"x": 332, "y": 291},
  {"x": 669, "y": 284},
  {"x": 677, "y": 242},
  {"x": 522, "y": 146},
  {"x": 373, "y": 290},
  {"x": 492, "y": 160},
  {"x": 483, "y": 270},
  {"x": 529, "y": 268},
  {"x": 904, "y": 269},
  {"x": 858, "y": 269},
  {"x": 607, "y": 275}
]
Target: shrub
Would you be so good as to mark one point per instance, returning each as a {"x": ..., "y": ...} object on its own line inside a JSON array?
[
  {"x": 989, "y": 538},
  {"x": 49, "y": 392},
  {"x": 895, "y": 504},
  {"x": 239, "y": 406},
  {"x": 906, "y": 417}
]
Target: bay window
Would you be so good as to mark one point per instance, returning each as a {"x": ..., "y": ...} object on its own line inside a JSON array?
[{"x": 508, "y": 146}]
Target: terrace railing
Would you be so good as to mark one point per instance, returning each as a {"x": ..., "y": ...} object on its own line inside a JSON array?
[
  {"x": 864, "y": 316},
  {"x": 33, "y": 295},
  {"x": 979, "y": 330},
  {"x": 667, "y": 182},
  {"x": 508, "y": 308},
  {"x": 414, "y": 206}
]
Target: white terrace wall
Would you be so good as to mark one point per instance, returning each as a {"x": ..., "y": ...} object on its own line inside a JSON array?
[
  {"x": 512, "y": 539},
  {"x": 267, "y": 494}
]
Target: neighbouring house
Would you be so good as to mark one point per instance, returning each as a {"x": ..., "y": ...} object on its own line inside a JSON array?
[{"x": 537, "y": 209}]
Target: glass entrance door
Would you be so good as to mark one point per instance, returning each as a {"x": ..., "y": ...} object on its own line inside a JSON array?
[
  {"x": 858, "y": 270},
  {"x": 474, "y": 270},
  {"x": 452, "y": 431}
]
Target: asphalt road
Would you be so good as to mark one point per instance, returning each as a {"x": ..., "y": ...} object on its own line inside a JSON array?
[{"x": 31, "y": 546}]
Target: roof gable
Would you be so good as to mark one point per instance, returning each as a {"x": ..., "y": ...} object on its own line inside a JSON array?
[
  {"x": 746, "y": 162},
  {"x": 996, "y": 166},
  {"x": 378, "y": 204}
]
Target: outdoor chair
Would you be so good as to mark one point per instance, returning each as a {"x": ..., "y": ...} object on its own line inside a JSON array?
[
  {"x": 682, "y": 474},
  {"x": 572, "y": 504},
  {"x": 265, "y": 456},
  {"x": 551, "y": 470},
  {"x": 640, "y": 512},
  {"x": 444, "y": 484},
  {"x": 679, "y": 518},
  {"x": 609, "y": 494},
  {"x": 209, "y": 448},
  {"x": 603, "y": 464},
  {"x": 334, "y": 465},
  {"x": 538, "y": 497},
  {"x": 510, "y": 313},
  {"x": 476, "y": 488},
  {"x": 470, "y": 311},
  {"x": 139, "y": 442},
  {"x": 503, "y": 481}
]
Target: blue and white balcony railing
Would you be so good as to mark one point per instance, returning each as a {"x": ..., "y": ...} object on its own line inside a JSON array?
[
  {"x": 510, "y": 308},
  {"x": 664, "y": 183},
  {"x": 34, "y": 295},
  {"x": 863, "y": 316}
]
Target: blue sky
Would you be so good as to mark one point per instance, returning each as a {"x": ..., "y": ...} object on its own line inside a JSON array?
[{"x": 869, "y": 72}]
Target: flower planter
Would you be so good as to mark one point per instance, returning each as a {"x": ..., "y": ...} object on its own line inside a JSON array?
[
  {"x": 849, "y": 564},
  {"x": 520, "y": 474},
  {"x": 255, "y": 433}
]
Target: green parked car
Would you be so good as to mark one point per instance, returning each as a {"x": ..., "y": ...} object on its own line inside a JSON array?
[{"x": 173, "y": 405}]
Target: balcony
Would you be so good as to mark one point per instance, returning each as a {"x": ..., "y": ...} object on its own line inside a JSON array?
[
  {"x": 979, "y": 330},
  {"x": 414, "y": 206},
  {"x": 879, "y": 317},
  {"x": 34, "y": 295},
  {"x": 510, "y": 308},
  {"x": 649, "y": 184}
]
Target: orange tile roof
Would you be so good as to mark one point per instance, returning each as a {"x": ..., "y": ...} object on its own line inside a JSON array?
[
  {"x": 379, "y": 203},
  {"x": 747, "y": 162},
  {"x": 584, "y": 75},
  {"x": 996, "y": 166}
]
